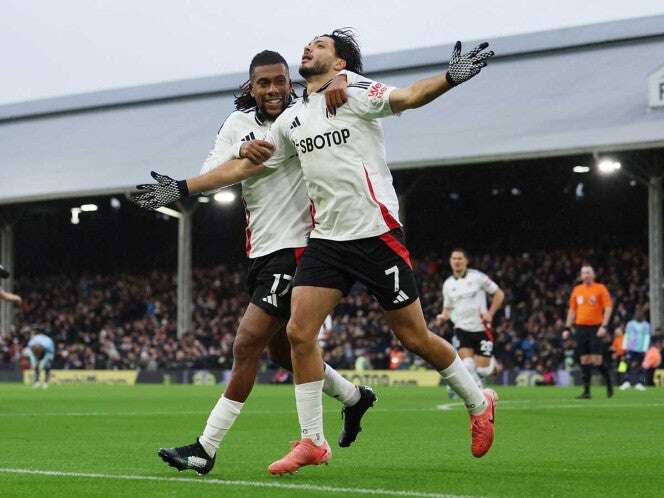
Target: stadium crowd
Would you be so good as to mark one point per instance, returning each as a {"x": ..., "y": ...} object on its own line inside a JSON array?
[{"x": 129, "y": 321}]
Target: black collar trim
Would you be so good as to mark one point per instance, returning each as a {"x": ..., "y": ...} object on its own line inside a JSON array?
[{"x": 305, "y": 95}]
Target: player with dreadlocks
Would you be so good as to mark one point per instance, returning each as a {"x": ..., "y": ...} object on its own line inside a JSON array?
[
  {"x": 357, "y": 235},
  {"x": 278, "y": 225}
]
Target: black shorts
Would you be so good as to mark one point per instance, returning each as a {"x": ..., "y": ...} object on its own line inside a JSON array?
[
  {"x": 381, "y": 263},
  {"x": 270, "y": 279},
  {"x": 480, "y": 342},
  {"x": 587, "y": 341}
]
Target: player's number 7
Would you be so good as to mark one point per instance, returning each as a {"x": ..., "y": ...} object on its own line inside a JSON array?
[{"x": 394, "y": 269}]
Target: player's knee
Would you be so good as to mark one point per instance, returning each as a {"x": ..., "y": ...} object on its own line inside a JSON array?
[
  {"x": 298, "y": 334},
  {"x": 244, "y": 349},
  {"x": 416, "y": 343}
]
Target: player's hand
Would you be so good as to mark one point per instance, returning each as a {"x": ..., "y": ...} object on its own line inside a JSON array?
[
  {"x": 336, "y": 94},
  {"x": 487, "y": 319},
  {"x": 257, "y": 151},
  {"x": 165, "y": 191},
  {"x": 463, "y": 67},
  {"x": 440, "y": 319},
  {"x": 601, "y": 332}
]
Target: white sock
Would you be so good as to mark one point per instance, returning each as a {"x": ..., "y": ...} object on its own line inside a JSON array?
[
  {"x": 218, "y": 424},
  {"x": 469, "y": 363},
  {"x": 337, "y": 386},
  {"x": 460, "y": 380},
  {"x": 487, "y": 371},
  {"x": 309, "y": 401}
]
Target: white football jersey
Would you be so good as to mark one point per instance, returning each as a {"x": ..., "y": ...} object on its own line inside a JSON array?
[
  {"x": 277, "y": 208},
  {"x": 467, "y": 298},
  {"x": 343, "y": 160}
]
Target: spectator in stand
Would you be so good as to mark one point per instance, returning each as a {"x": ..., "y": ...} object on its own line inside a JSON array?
[{"x": 653, "y": 359}]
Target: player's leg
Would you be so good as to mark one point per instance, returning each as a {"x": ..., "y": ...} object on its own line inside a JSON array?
[
  {"x": 485, "y": 365},
  {"x": 386, "y": 270},
  {"x": 583, "y": 351},
  {"x": 640, "y": 372},
  {"x": 597, "y": 347},
  {"x": 45, "y": 365},
  {"x": 355, "y": 399},
  {"x": 410, "y": 327},
  {"x": 309, "y": 308},
  {"x": 467, "y": 354},
  {"x": 255, "y": 330}
]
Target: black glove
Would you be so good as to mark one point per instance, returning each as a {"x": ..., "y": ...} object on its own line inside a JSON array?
[
  {"x": 165, "y": 191},
  {"x": 463, "y": 67},
  {"x": 3, "y": 273}
]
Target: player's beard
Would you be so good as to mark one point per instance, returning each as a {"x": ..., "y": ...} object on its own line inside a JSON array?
[{"x": 314, "y": 70}]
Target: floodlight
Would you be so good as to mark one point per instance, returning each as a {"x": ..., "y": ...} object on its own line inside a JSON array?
[
  {"x": 608, "y": 166},
  {"x": 225, "y": 197}
]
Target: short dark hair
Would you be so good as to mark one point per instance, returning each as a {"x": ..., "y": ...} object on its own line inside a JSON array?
[
  {"x": 347, "y": 48},
  {"x": 461, "y": 250},
  {"x": 243, "y": 99}
]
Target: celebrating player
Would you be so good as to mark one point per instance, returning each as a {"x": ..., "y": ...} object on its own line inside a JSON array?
[
  {"x": 590, "y": 309},
  {"x": 278, "y": 224},
  {"x": 464, "y": 301},
  {"x": 40, "y": 351},
  {"x": 357, "y": 235}
]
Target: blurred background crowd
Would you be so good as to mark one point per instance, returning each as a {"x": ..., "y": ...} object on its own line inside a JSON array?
[{"x": 128, "y": 321}]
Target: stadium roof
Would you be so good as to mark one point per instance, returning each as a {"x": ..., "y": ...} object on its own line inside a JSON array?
[{"x": 558, "y": 92}]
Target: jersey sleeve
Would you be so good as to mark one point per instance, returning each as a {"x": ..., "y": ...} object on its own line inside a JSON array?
[
  {"x": 572, "y": 300},
  {"x": 283, "y": 147},
  {"x": 488, "y": 285},
  {"x": 225, "y": 147},
  {"x": 370, "y": 99},
  {"x": 606, "y": 298}
]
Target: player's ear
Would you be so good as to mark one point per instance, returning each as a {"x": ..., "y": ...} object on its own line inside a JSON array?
[
  {"x": 251, "y": 90},
  {"x": 339, "y": 64}
]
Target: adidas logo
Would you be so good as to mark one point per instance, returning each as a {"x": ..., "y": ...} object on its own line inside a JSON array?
[
  {"x": 249, "y": 137},
  {"x": 270, "y": 299},
  {"x": 401, "y": 297},
  {"x": 295, "y": 123}
]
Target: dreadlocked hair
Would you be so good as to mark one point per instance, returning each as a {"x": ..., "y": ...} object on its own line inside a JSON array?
[
  {"x": 347, "y": 48},
  {"x": 243, "y": 99}
]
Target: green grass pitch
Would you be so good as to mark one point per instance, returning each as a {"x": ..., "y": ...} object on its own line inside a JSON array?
[{"x": 101, "y": 441}]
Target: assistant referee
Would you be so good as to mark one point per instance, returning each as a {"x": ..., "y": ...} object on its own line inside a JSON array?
[{"x": 590, "y": 309}]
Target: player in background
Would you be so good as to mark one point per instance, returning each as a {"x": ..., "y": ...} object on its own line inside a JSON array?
[
  {"x": 357, "y": 235},
  {"x": 41, "y": 352},
  {"x": 636, "y": 342},
  {"x": 5, "y": 295},
  {"x": 465, "y": 303},
  {"x": 278, "y": 224},
  {"x": 590, "y": 309}
]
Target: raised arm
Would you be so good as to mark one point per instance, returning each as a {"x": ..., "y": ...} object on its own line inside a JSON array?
[{"x": 461, "y": 68}]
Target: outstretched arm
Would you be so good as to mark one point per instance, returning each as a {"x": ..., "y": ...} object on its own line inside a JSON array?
[
  {"x": 8, "y": 296},
  {"x": 461, "y": 68},
  {"x": 167, "y": 190}
]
